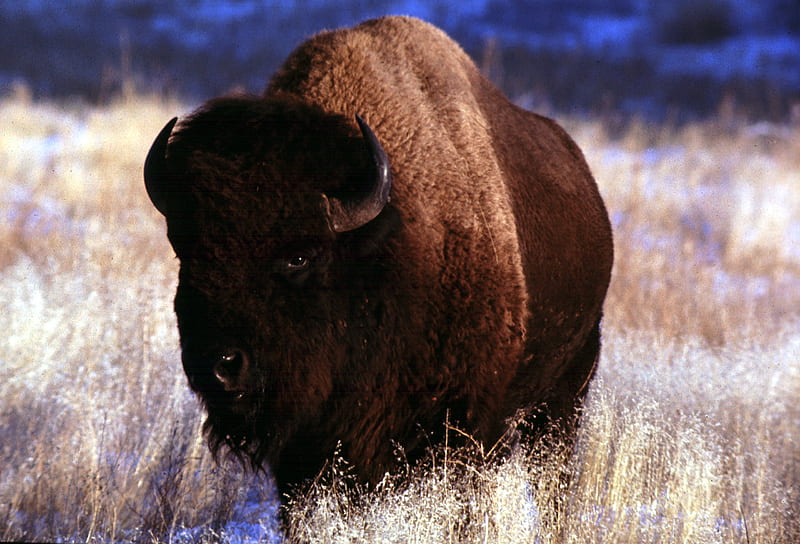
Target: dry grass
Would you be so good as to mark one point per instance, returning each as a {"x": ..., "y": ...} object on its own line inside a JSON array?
[
  {"x": 100, "y": 438},
  {"x": 690, "y": 434}
]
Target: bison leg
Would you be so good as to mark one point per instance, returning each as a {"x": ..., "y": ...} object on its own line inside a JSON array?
[
  {"x": 562, "y": 406},
  {"x": 571, "y": 390}
]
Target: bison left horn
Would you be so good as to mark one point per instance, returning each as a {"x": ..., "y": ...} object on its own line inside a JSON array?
[
  {"x": 156, "y": 173},
  {"x": 356, "y": 211}
]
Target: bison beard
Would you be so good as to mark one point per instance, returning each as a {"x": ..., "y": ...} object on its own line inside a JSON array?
[{"x": 316, "y": 311}]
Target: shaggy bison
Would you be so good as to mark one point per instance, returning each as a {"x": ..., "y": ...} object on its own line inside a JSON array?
[{"x": 380, "y": 242}]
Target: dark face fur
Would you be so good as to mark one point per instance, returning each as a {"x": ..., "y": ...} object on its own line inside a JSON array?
[{"x": 266, "y": 278}]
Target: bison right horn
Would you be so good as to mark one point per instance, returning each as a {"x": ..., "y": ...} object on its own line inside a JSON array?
[
  {"x": 156, "y": 171},
  {"x": 357, "y": 211}
]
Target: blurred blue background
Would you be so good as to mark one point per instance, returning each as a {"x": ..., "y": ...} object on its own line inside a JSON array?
[{"x": 675, "y": 60}]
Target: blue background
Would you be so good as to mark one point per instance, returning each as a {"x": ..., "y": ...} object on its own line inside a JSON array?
[{"x": 677, "y": 60}]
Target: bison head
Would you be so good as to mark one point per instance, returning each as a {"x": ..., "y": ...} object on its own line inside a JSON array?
[{"x": 278, "y": 213}]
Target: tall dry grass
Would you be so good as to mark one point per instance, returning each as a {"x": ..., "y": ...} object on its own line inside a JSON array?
[
  {"x": 100, "y": 438},
  {"x": 690, "y": 432}
]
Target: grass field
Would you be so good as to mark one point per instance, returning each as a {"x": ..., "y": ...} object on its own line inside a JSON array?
[{"x": 691, "y": 432}]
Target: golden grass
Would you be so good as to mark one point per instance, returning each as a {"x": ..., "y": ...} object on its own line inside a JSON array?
[{"x": 690, "y": 433}]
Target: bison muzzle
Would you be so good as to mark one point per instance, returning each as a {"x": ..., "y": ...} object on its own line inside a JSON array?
[{"x": 379, "y": 244}]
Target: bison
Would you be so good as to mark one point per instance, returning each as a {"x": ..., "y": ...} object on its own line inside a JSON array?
[{"x": 379, "y": 244}]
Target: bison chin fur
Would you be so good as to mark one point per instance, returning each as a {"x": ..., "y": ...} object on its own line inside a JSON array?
[
  {"x": 237, "y": 436},
  {"x": 251, "y": 435}
]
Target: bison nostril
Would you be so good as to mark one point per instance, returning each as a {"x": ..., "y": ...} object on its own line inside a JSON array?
[{"x": 229, "y": 368}]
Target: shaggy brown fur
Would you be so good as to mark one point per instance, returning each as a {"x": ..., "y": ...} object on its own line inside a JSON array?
[{"x": 476, "y": 292}]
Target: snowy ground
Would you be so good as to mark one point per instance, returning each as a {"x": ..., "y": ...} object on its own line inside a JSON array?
[{"x": 690, "y": 433}]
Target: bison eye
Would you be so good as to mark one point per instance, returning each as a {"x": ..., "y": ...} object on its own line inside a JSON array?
[
  {"x": 297, "y": 262},
  {"x": 296, "y": 265}
]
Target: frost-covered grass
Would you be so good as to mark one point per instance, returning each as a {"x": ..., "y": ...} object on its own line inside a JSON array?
[{"x": 690, "y": 433}]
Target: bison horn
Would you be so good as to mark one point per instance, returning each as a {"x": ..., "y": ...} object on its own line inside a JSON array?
[
  {"x": 155, "y": 168},
  {"x": 356, "y": 211}
]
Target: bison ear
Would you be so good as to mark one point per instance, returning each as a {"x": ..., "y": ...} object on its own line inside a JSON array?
[
  {"x": 350, "y": 213},
  {"x": 157, "y": 178}
]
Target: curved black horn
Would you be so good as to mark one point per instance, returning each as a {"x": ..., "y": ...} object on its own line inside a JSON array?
[
  {"x": 352, "y": 213},
  {"x": 155, "y": 168}
]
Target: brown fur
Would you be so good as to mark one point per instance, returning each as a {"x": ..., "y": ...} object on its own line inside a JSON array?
[{"x": 477, "y": 291}]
